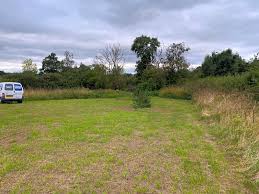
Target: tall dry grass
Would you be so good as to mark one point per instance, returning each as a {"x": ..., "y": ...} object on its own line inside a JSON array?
[
  {"x": 79, "y": 93},
  {"x": 176, "y": 93},
  {"x": 236, "y": 121},
  {"x": 230, "y": 105}
]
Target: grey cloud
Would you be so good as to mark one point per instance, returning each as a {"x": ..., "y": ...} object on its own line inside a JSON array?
[
  {"x": 36, "y": 28},
  {"x": 130, "y": 13},
  {"x": 27, "y": 16}
]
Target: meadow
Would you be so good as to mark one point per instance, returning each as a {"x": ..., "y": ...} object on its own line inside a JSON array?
[{"x": 103, "y": 145}]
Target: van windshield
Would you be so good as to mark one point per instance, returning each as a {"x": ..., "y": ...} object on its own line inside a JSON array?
[
  {"x": 9, "y": 87},
  {"x": 17, "y": 87}
]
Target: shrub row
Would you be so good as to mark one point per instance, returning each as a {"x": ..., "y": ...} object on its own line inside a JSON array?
[{"x": 247, "y": 82}]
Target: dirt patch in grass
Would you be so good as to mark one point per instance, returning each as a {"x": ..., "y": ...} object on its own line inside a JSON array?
[
  {"x": 124, "y": 164},
  {"x": 126, "y": 108},
  {"x": 46, "y": 175},
  {"x": 15, "y": 137},
  {"x": 34, "y": 180},
  {"x": 143, "y": 165},
  {"x": 20, "y": 136}
]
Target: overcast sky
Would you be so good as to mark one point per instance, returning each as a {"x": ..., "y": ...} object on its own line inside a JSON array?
[{"x": 35, "y": 28}]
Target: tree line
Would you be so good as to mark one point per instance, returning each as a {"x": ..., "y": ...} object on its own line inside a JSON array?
[{"x": 156, "y": 67}]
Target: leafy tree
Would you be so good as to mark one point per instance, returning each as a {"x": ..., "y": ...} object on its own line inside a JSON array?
[
  {"x": 51, "y": 64},
  {"x": 209, "y": 65},
  {"x": 175, "y": 63},
  {"x": 175, "y": 57},
  {"x": 29, "y": 66},
  {"x": 145, "y": 47},
  {"x": 224, "y": 63}
]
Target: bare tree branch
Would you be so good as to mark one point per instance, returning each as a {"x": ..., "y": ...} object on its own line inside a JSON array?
[{"x": 111, "y": 56}]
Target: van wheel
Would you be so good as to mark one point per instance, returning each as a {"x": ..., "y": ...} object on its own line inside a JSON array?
[{"x": 19, "y": 101}]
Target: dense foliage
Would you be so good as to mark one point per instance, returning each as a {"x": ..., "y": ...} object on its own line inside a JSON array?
[
  {"x": 92, "y": 77},
  {"x": 224, "y": 63},
  {"x": 51, "y": 64},
  {"x": 145, "y": 48}
]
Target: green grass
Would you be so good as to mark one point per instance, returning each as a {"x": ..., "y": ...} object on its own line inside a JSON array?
[{"x": 106, "y": 146}]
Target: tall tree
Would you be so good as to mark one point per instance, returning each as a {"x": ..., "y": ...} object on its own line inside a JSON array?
[
  {"x": 175, "y": 57},
  {"x": 208, "y": 67},
  {"x": 112, "y": 56},
  {"x": 51, "y": 64},
  {"x": 174, "y": 62},
  {"x": 68, "y": 61},
  {"x": 29, "y": 66},
  {"x": 145, "y": 47}
]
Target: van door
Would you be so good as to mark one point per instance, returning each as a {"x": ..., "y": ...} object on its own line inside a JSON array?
[
  {"x": 18, "y": 91},
  {"x": 9, "y": 91}
]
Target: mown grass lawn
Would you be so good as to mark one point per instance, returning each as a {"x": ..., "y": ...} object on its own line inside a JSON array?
[{"x": 105, "y": 146}]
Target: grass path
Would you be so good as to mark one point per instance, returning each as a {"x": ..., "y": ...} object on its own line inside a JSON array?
[{"x": 105, "y": 146}]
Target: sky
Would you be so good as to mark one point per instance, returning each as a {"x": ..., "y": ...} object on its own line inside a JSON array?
[{"x": 35, "y": 28}]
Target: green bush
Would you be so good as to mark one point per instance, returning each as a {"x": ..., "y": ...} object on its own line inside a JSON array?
[
  {"x": 154, "y": 78},
  {"x": 247, "y": 82},
  {"x": 141, "y": 98}
]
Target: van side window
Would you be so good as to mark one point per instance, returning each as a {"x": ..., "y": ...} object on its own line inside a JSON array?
[
  {"x": 17, "y": 87},
  {"x": 1, "y": 87},
  {"x": 9, "y": 87}
]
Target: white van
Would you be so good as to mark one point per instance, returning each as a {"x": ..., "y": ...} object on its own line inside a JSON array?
[{"x": 11, "y": 91}]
